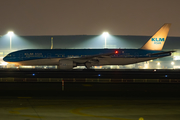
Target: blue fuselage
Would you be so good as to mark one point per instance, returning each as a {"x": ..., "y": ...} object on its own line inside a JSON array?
[{"x": 33, "y": 54}]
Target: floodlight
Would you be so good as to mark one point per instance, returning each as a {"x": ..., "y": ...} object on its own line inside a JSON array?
[
  {"x": 10, "y": 33},
  {"x": 105, "y": 34}
]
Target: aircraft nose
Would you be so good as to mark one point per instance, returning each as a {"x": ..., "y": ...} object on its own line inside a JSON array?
[{"x": 5, "y": 58}]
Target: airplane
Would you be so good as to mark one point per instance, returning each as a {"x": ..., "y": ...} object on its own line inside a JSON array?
[{"x": 70, "y": 58}]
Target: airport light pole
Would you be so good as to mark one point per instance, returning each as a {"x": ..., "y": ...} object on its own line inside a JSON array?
[
  {"x": 51, "y": 42},
  {"x": 105, "y": 34},
  {"x": 10, "y": 33}
]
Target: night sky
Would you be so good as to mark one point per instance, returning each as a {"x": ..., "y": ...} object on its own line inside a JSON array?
[{"x": 88, "y": 17}]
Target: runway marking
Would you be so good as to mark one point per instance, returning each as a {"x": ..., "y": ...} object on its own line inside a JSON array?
[
  {"x": 78, "y": 112},
  {"x": 16, "y": 111},
  {"x": 87, "y": 85},
  {"x": 31, "y": 116},
  {"x": 24, "y": 97}
]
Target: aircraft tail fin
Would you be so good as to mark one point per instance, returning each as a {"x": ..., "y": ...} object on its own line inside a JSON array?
[{"x": 156, "y": 42}]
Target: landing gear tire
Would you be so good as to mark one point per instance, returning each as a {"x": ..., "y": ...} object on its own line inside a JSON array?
[{"x": 88, "y": 65}]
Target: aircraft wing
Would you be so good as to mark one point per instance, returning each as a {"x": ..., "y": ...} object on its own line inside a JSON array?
[
  {"x": 99, "y": 55},
  {"x": 109, "y": 54}
]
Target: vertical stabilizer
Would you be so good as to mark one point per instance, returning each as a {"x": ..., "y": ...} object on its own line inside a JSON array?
[{"x": 156, "y": 42}]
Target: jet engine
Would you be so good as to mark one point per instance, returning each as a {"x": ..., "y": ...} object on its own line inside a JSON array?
[{"x": 66, "y": 64}]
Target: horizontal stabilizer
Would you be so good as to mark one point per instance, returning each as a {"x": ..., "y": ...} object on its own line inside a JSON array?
[{"x": 162, "y": 53}]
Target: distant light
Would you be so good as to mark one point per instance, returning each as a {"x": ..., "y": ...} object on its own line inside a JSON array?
[
  {"x": 3, "y": 63},
  {"x": 158, "y": 63},
  {"x": 116, "y": 52},
  {"x": 154, "y": 70},
  {"x": 105, "y": 34},
  {"x": 166, "y": 76},
  {"x": 141, "y": 118},
  {"x": 10, "y": 33},
  {"x": 176, "y": 57},
  {"x": 33, "y": 74},
  {"x": 99, "y": 74},
  {"x": 172, "y": 63},
  {"x": 145, "y": 66}
]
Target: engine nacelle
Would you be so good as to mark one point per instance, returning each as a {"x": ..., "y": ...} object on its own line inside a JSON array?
[{"x": 66, "y": 64}]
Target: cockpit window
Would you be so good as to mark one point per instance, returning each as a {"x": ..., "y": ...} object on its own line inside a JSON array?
[{"x": 9, "y": 55}]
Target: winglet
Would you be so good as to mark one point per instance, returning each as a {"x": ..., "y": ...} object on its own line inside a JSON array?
[{"x": 156, "y": 42}]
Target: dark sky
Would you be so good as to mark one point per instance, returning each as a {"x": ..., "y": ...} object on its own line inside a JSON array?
[{"x": 90, "y": 17}]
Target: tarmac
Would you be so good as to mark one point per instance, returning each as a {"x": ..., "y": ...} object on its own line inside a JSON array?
[
  {"x": 116, "y": 73},
  {"x": 89, "y": 95},
  {"x": 24, "y": 108},
  {"x": 90, "y": 101}
]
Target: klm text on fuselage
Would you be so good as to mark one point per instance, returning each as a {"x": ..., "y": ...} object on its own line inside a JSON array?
[{"x": 157, "y": 40}]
